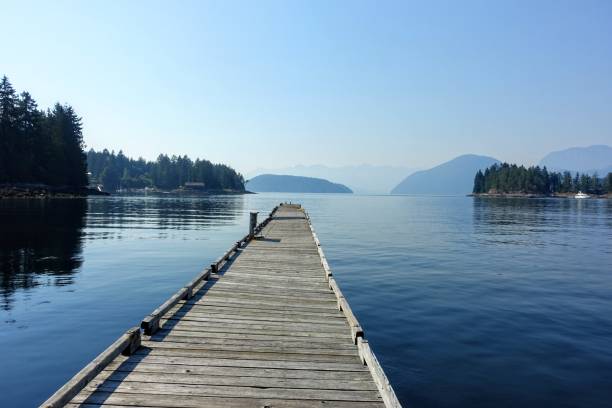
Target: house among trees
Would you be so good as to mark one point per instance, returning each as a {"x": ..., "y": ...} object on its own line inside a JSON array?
[
  {"x": 194, "y": 185},
  {"x": 117, "y": 171}
]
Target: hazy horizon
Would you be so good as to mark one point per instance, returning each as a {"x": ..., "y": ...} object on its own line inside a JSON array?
[{"x": 276, "y": 84}]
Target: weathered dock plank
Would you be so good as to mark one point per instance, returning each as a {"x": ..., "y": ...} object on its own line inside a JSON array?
[{"x": 266, "y": 325}]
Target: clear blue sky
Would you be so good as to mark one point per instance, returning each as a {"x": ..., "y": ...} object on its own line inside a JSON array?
[{"x": 272, "y": 84}]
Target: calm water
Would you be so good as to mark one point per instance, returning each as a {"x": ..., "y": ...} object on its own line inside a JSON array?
[{"x": 467, "y": 302}]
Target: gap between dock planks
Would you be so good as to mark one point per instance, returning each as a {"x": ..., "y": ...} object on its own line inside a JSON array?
[{"x": 266, "y": 325}]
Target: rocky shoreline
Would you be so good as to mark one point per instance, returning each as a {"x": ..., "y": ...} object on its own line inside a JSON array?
[
  {"x": 527, "y": 195},
  {"x": 33, "y": 190},
  {"x": 45, "y": 191}
]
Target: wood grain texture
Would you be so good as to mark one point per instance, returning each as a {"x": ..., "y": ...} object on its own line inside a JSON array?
[{"x": 265, "y": 326}]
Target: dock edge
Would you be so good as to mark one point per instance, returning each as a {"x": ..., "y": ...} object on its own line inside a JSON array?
[
  {"x": 127, "y": 343},
  {"x": 366, "y": 354}
]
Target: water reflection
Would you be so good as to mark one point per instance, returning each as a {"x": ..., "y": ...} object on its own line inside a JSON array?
[
  {"x": 109, "y": 218},
  {"x": 41, "y": 240},
  {"x": 40, "y": 243},
  {"x": 495, "y": 302},
  {"x": 532, "y": 221}
]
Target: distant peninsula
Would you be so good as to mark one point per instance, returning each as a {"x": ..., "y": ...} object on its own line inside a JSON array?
[
  {"x": 42, "y": 155},
  {"x": 176, "y": 174},
  {"x": 268, "y": 183},
  {"x": 361, "y": 178},
  {"x": 452, "y": 177}
]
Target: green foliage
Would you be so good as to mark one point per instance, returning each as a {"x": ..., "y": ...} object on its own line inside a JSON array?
[
  {"x": 37, "y": 146},
  {"x": 510, "y": 178},
  {"x": 47, "y": 147},
  {"x": 116, "y": 171},
  {"x": 607, "y": 183},
  {"x": 479, "y": 182}
]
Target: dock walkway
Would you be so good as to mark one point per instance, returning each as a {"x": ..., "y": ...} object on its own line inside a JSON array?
[{"x": 264, "y": 326}]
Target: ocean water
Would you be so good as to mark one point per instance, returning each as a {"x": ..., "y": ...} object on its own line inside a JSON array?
[{"x": 466, "y": 301}]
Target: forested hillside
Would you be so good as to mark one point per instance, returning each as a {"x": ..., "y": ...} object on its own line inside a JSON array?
[
  {"x": 509, "y": 178},
  {"x": 116, "y": 171},
  {"x": 38, "y": 146},
  {"x": 452, "y": 177}
]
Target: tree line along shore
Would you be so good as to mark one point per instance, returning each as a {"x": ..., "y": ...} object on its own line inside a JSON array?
[
  {"x": 42, "y": 153},
  {"x": 512, "y": 180},
  {"x": 118, "y": 172}
]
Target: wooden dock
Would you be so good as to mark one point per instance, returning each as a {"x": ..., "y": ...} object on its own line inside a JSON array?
[{"x": 264, "y": 326}]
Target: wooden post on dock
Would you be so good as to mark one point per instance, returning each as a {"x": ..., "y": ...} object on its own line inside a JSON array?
[{"x": 252, "y": 224}]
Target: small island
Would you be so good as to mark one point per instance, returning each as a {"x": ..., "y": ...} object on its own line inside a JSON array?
[
  {"x": 510, "y": 180},
  {"x": 273, "y": 183}
]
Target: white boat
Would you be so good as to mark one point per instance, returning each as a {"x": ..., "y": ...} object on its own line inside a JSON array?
[{"x": 581, "y": 195}]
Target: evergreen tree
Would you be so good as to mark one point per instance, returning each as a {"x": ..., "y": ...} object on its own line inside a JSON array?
[
  {"x": 110, "y": 178},
  {"x": 576, "y": 183},
  {"x": 479, "y": 185},
  {"x": 596, "y": 184},
  {"x": 8, "y": 124},
  {"x": 36, "y": 146},
  {"x": 584, "y": 183},
  {"x": 567, "y": 184},
  {"x": 607, "y": 183},
  {"x": 29, "y": 125}
]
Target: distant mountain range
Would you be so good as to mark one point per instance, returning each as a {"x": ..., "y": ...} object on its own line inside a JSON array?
[
  {"x": 293, "y": 184},
  {"x": 590, "y": 159},
  {"x": 457, "y": 176},
  {"x": 363, "y": 179},
  {"x": 453, "y": 177}
]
